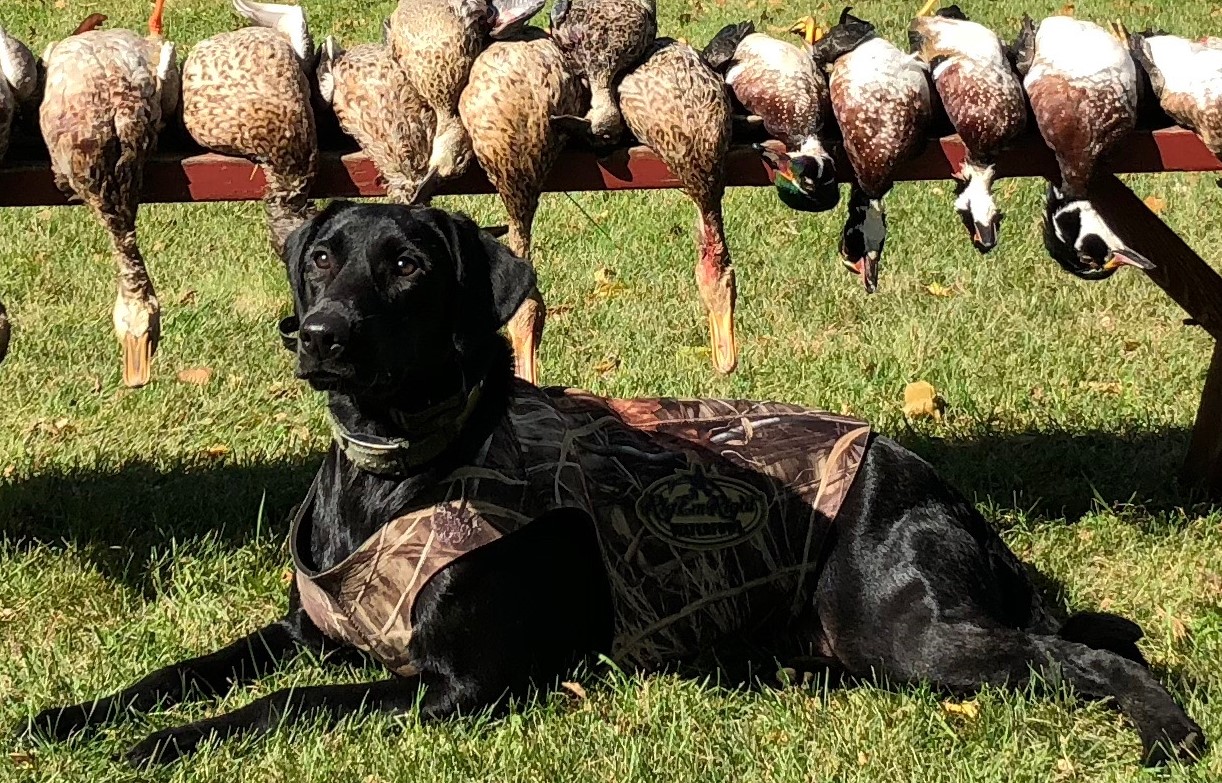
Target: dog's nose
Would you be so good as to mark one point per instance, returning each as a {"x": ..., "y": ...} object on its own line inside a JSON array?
[{"x": 324, "y": 335}]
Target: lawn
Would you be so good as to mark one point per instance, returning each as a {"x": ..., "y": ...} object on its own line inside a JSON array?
[{"x": 141, "y": 527}]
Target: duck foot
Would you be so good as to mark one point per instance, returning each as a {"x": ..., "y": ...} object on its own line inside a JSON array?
[{"x": 138, "y": 353}]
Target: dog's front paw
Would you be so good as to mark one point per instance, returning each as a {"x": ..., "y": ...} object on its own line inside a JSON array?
[
  {"x": 165, "y": 746},
  {"x": 60, "y": 723},
  {"x": 1180, "y": 739}
]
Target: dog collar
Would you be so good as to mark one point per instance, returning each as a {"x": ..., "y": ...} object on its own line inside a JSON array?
[{"x": 429, "y": 433}]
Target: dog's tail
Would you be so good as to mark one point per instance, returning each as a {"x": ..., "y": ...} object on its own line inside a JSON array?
[{"x": 1104, "y": 631}]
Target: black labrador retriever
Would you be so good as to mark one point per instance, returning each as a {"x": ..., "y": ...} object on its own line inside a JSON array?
[{"x": 400, "y": 310}]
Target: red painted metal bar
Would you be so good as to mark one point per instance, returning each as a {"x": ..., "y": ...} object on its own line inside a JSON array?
[{"x": 210, "y": 177}]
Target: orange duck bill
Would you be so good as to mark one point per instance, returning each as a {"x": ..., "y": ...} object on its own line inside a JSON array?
[{"x": 863, "y": 238}]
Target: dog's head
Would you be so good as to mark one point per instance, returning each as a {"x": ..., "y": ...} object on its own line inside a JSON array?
[{"x": 388, "y": 296}]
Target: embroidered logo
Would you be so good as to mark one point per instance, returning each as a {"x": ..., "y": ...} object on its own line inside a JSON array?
[{"x": 698, "y": 508}]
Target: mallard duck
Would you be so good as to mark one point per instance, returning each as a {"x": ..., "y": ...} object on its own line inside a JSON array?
[
  {"x": 246, "y": 93},
  {"x": 106, "y": 96},
  {"x": 678, "y": 106},
  {"x": 984, "y": 99},
  {"x": 602, "y": 39},
  {"x": 515, "y": 87},
  {"x": 1187, "y": 79},
  {"x": 779, "y": 83},
  {"x": 1083, "y": 87},
  {"x": 881, "y": 99},
  {"x": 379, "y": 107},
  {"x": 436, "y": 43},
  {"x": 18, "y": 83}
]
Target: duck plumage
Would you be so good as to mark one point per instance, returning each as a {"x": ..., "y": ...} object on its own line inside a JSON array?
[
  {"x": 678, "y": 106},
  {"x": 602, "y": 39},
  {"x": 435, "y": 43},
  {"x": 1187, "y": 78},
  {"x": 245, "y": 93},
  {"x": 982, "y": 96},
  {"x": 516, "y": 86},
  {"x": 106, "y": 96},
  {"x": 882, "y": 100},
  {"x": 1084, "y": 91},
  {"x": 18, "y": 83},
  {"x": 779, "y": 83},
  {"x": 377, "y": 105}
]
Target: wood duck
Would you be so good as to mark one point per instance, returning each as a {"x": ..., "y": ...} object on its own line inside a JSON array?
[
  {"x": 378, "y": 107},
  {"x": 106, "y": 97},
  {"x": 678, "y": 106},
  {"x": 602, "y": 39},
  {"x": 779, "y": 83},
  {"x": 881, "y": 99},
  {"x": 246, "y": 93},
  {"x": 516, "y": 87},
  {"x": 984, "y": 100},
  {"x": 1187, "y": 79},
  {"x": 1084, "y": 92},
  {"x": 436, "y": 42}
]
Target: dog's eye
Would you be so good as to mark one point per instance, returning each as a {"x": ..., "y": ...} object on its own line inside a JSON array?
[
  {"x": 321, "y": 259},
  {"x": 405, "y": 266}
]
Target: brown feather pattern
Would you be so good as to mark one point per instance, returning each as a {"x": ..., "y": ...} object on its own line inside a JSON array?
[{"x": 244, "y": 93}]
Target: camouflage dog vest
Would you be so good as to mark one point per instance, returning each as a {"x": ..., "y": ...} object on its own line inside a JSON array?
[{"x": 711, "y": 516}]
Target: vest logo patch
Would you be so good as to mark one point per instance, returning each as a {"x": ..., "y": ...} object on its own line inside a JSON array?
[{"x": 698, "y": 508}]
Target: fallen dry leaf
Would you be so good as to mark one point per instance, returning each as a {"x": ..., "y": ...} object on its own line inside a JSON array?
[
  {"x": 286, "y": 576},
  {"x": 1179, "y": 629},
  {"x": 558, "y": 311},
  {"x": 967, "y": 709},
  {"x": 1131, "y": 345},
  {"x": 862, "y": 759},
  {"x": 937, "y": 289},
  {"x": 196, "y": 375},
  {"x": 1155, "y": 204},
  {"x": 606, "y": 365},
  {"x": 605, "y": 282},
  {"x": 187, "y": 297},
  {"x": 217, "y": 451},
  {"x": 22, "y": 759},
  {"x": 922, "y": 401},
  {"x": 1101, "y": 387},
  {"x": 574, "y": 688}
]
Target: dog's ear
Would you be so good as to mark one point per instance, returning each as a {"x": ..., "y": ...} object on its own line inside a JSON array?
[{"x": 494, "y": 281}]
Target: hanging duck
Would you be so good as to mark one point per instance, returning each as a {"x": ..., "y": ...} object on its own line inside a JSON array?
[
  {"x": 245, "y": 93},
  {"x": 780, "y": 84},
  {"x": 1187, "y": 79},
  {"x": 436, "y": 42},
  {"x": 515, "y": 87},
  {"x": 376, "y": 105},
  {"x": 678, "y": 106},
  {"x": 106, "y": 97},
  {"x": 602, "y": 39},
  {"x": 18, "y": 83},
  {"x": 881, "y": 99},
  {"x": 1083, "y": 87},
  {"x": 984, "y": 99}
]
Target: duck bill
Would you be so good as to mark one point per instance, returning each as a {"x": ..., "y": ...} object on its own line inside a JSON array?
[
  {"x": 427, "y": 187},
  {"x": 525, "y": 332},
  {"x": 722, "y": 341},
  {"x": 866, "y": 269},
  {"x": 1126, "y": 257},
  {"x": 984, "y": 236},
  {"x": 512, "y": 16}
]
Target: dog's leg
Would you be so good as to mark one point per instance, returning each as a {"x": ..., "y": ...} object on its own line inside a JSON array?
[
  {"x": 242, "y": 661},
  {"x": 330, "y": 702},
  {"x": 961, "y": 657}
]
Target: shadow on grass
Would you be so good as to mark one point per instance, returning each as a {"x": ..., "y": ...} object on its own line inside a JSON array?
[{"x": 118, "y": 518}]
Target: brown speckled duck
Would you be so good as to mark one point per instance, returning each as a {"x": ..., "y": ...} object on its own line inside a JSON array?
[
  {"x": 780, "y": 84},
  {"x": 18, "y": 83},
  {"x": 379, "y": 107},
  {"x": 678, "y": 106},
  {"x": 107, "y": 94},
  {"x": 436, "y": 43},
  {"x": 246, "y": 93},
  {"x": 602, "y": 39},
  {"x": 881, "y": 98},
  {"x": 516, "y": 86},
  {"x": 984, "y": 100},
  {"x": 1084, "y": 91},
  {"x": 1187, "y": 78}
]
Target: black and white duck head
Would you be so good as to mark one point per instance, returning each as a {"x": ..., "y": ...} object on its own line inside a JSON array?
[{"x": 1077, "y": 238}]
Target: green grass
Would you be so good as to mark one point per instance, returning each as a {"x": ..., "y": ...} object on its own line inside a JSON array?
[{"x": 137, "y": 528}]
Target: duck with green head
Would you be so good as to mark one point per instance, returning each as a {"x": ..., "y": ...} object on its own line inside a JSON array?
[{"x": 779, "y": 84}]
